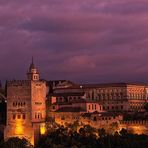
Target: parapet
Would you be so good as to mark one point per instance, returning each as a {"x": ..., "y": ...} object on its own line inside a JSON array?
[{"x": 18, "y": 83}]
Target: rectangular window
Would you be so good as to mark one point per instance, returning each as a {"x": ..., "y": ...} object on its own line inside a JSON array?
[
  {"x": 19, "y": 116},
  {"x": 89, "y": 107},
  {"x": 24, "y": 116},
  {"x": 14, "y": 116}
]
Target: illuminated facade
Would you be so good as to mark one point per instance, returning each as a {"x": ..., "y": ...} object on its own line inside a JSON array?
[
  {"x": 29, "y": 100},
  {"x": 112, "y": 97},
  {"x": 26, "y": 109}
]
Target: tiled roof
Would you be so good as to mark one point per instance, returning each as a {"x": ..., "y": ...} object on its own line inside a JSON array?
[
  {"x": 100, "y": 114},
  {"x": 70, "y": 109},
  {"x": 62, "y": 103},
  {"x": 68, "y": 94},
  {"x": 85, "y": 86}
]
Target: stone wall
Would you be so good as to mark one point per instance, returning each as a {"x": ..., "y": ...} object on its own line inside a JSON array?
[{"x": 136, "y": 127}]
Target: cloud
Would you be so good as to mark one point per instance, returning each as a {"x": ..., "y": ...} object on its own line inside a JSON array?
[{"x": 86, "y": 41}]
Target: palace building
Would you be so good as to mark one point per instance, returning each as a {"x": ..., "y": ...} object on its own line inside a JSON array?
[
  {"x": 112, "y": 96},
  {"x": 32, "y": 102}
]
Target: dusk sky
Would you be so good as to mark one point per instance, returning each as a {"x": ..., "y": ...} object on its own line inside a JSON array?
[{"x": 86, "y": 41}]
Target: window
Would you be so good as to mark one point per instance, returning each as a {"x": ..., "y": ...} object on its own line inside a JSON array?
[
  {"x": 13, "y": 103},
  {"x": 19, "y": 116},
  {"x": 14, "y": 116},
  {"x": 24, "y": 116},
  {"x": 95, "y": 119},
  {"x": 38, "y": 103},
  {"x": 89, "y": 107},
  {"x": 92, "y": 106},
  {"x": 95, "y": 106}
]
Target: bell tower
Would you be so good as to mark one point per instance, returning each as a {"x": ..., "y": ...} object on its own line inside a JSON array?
[{"x": 32, "y": 73}]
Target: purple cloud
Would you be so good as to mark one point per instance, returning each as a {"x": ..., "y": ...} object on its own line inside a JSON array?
[{"x": 84, "y": 41}]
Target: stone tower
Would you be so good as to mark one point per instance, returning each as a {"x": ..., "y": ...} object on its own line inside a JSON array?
[
  {"x": 32, "y": 73},
  {"x": 26, "y": 109}
]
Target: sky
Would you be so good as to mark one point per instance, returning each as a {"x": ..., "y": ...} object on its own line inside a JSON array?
[{"x": 86, "y": 41}]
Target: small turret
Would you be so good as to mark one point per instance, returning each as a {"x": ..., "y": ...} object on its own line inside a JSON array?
[{"x": 32, "y": 73}]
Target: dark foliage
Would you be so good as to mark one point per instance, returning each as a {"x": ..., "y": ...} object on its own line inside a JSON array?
[
  {"x": 146, "y": 107},
  {"x": 86, "y": 138},
  {"x": 15, "y": 143}
]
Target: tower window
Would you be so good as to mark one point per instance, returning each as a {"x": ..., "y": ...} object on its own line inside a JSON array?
[
  {"x": 24, "y": 116},
  {"x": 14, "y": 116},
  {"x": 18, "y": 116},
  {"x": 13, "y": 103}
]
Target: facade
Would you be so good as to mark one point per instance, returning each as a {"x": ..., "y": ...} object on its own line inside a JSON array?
[
  {"x": 112, "y": 97},
  {"x": 26, "y": 109}
]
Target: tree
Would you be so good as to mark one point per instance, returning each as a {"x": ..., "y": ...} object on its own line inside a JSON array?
[
  {"x": 15, "y": 143},
  {"x": 101, "y": 132},
  {"x": 146, "y": 107}
]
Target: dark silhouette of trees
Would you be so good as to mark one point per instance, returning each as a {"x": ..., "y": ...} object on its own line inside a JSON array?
[
  {"x": 15, "y": 143},
  {"x": 86, "y": 138},
  {"x": 146, "y": 107}
]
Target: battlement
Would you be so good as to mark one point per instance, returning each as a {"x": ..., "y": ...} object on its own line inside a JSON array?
[
  {"x": 134, "y": 122},
  {"x": 18, "y": 83}
]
